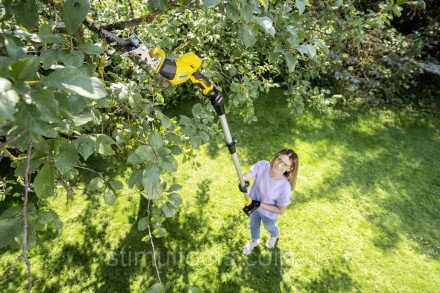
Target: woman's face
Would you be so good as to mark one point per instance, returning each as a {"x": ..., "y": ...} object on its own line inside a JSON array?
[{"x": 282, "y": 164}]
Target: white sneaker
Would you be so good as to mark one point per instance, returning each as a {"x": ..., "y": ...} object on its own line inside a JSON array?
[
  {"x": 270, "y": 243},
  {"x": 247, "y": 249}
]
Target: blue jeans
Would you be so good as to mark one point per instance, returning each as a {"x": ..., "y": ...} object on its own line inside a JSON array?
[{"x": 269, "y": 225}]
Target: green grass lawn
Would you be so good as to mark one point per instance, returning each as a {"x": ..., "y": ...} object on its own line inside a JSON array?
[{"x": 365, "y": 217}]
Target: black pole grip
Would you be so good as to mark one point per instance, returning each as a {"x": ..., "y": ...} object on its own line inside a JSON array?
[
  {"x": 217, "y": 99},
  {"x": 214, "y": 95},
  {"x": 203, "y": 82}
]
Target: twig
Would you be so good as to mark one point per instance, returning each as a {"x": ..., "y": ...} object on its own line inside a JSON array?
[
  {"x": 90, "y": 170},
  {"x": 131, "y": 8},
  {"x": 25, "y": 223},
  {"x": 152, "y": 244},
  {"x": 66, "y": 186},
  {"x": 6, "y": 143},
  {"x": 8, "y": 270},
  {"x": 120, "y": 25}
]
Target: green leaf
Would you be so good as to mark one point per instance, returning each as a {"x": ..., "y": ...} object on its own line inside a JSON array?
[
  {"x": 27, "y": 118},
  {"x": 47, "y": 105},
  {"x": 169, "y": 164},
  {"x": 168, "y": 209},
  {"x": 232, "y": 12},
  {"x": 185, "y": 121},
  {"x": 164, "y": 152},
  {"x": 53, "y": 39},
  {"x": 145, "y": 154},
  {"x": 46, "y": 217},
  {"x": 290, "y": 61},
  {"x": 175, "y": 150},
  {"x": 301, "y": 5},
  {"x": 204, "y": 135},
  {"x": 71, "y": 58},
  {"x": 321, "y": 45},
  {"x": 5, "y": 62},
  {"x": 308, "y": 49},
  {"x": 210, "y": 3},
  {"x": 49, "y": 57},
  {"x": 11, "y": 212},
  {"x": 196, "y": 141},
  {"x": 156, "y": 288},
  {"x": 109, "y": 197},
  {"x": 154, "y": 5},
  {"x": 85, "y": 146},
  {"x": 116, "y": 184},
  {"x": 135, "y": 179},
  {"x": 166, "y": 122},
  {"x": 155, "y": 140},
  {"x": 158, "y": 233},
  {"x": 77, "y": 104},
  {"x": 197, "y": 110},
  {"x": 146, "y": 238},
  {"x": 26, "y": 13},
  {"x": 24, "y": 69},
  {"x": 10, "y": 228},
  {"x": 174, "y": 187},
  {"x": 15, "y": 51},
  {"x": 195, "y": 290},
  {"x": 46, "y": 35},
  {"x": 75, "y": 81},
  {"x": 44, "y": 182},
  {"x": 175, "y": 199},
  {"x": 188, "y": 131},
  {"x": 248, "y": 35},
  {"x": 91, "y": 49},
  {"x": 267, "y": 24},
  {"x": 246, "y": 12},
  {"x": 134, "y": 159},
  {"x": 265, "y": 4},
  {"x": 150, "y": 177},
  {"x": 151, "y": 182},
  {"x": 66, "y": 158},
  {"x": 143, "y": 224},
  {"x": 97, "y": 184},
  {"x": 8, "y": 99},
  {"x": 104, "y": 145},
  {"x": 74, "y": 12}
]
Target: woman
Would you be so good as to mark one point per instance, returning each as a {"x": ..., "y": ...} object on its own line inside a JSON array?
[{"x": 272, "y": 187}]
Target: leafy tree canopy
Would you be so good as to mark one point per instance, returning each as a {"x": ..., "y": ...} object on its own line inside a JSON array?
[{"x": 68, "y": 99}]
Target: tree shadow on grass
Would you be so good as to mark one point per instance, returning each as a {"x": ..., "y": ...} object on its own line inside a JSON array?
[
  {"x": 334, "y": 277},
  {"x": 393, "y": 170},
  {"x": 89, "y": 254},
  {"x": 260, "y": 271},
  {"x": 403, "y": 184},
  {"x": 191, "y": 236}
]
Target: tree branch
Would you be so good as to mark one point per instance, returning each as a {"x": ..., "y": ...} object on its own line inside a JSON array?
[
  {"x": 25, "y": 223},
  {"x": 8, "y": 270},
  {"x": 152, "y": 244},
  {"x": 104, "y": 32},
  {"x": 128, "y": 23}
]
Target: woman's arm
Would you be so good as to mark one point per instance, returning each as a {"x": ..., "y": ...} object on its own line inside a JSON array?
[
  {"x": 247, "y": 176},
  {"x": 273, "y": 209}
]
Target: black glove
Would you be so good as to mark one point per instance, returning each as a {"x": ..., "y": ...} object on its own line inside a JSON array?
[
  {"x": 250, "y": 209},
  {"x": 244, "y": 188}
]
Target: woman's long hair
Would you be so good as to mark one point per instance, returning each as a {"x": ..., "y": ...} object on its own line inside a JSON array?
[{"x": 293, "y": 172}]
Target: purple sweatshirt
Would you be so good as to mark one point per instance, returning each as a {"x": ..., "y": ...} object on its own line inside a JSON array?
[{"x": 268, "y": 190}]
